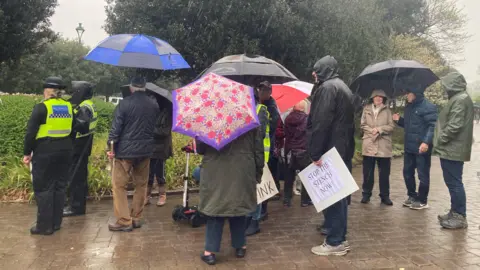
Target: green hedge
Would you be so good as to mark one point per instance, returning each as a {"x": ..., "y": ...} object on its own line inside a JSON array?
[
  {"x": 15, "y": 179},
  {"x": 15, "y": 111}
]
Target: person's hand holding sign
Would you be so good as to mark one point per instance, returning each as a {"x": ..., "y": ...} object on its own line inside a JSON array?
[{"x": 318, "y": 163}]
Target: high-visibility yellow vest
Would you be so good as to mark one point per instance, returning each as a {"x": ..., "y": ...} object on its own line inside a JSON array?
[
  {"x": 266, "y": 140},
  {"x": 59, "y": 119},
  {"x": 93, "y": 123}
]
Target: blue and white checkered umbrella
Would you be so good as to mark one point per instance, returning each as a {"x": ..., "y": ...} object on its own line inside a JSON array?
[{"x": 137, "y": 51}]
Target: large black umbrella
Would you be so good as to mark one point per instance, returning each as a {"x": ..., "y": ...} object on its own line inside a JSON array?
[
  {"x": 245, "y": 68},
  {"x": 164, "y": 93},
  {"x": 393, "y": 77}
]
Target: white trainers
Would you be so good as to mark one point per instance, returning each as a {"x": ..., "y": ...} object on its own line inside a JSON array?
[
  {"x": 346, "y": 245},
  {"x": 418, "y": 206},
  {"x": 327, "y": 250}
]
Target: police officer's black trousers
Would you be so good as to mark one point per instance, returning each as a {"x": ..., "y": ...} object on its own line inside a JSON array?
[
  {"x": 78, "y": 188},
  {"x": 50, "y": 172}
]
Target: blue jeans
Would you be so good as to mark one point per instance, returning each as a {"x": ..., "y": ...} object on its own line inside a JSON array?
[
  {"x": 196, "y": 174},
  {"x": 422, "y": 163},
  {"x": 214, "y": 231},
  {"x": 452, "y": 174},
  {"x": 257, "y": 214},
  {"x": 336, "y": 222}
]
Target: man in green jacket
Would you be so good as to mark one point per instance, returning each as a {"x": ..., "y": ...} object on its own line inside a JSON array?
[{"x": 453, "y": 140}]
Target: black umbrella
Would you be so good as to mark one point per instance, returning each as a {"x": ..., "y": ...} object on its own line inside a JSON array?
[
  {"x": 244, "y": 69},
  {"x": 164, "y": 93},
  {"x": 393, "y": 77}
]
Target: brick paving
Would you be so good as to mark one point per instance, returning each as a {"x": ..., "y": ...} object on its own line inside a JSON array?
[{"x": 381, "y": 237}]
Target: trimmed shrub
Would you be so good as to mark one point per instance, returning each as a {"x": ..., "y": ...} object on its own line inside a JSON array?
[{"x": 15, "y": 178}]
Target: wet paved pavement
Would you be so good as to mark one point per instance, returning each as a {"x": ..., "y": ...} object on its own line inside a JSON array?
[{"x": 381, "y": 237}]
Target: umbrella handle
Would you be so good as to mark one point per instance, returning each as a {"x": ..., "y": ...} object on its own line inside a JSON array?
[
  {"x": 113, "y": 159},
  {"x": 395, "y": 81}
]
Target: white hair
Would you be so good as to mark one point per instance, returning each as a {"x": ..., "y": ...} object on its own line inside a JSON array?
[{"x": 301, "y": 106}]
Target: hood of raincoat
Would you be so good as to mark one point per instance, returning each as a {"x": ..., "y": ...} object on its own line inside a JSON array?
[
  {"x": 326, "y": 69},
  {"x": 379, "y": 93},
  {"x": 454, "y": 83},
  {"x": 419, "y": 94},
  {"x": 82, "y": 91}
]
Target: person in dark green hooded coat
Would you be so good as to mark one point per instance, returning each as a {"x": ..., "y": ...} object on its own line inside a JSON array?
[{"x": 452, "y": 142}]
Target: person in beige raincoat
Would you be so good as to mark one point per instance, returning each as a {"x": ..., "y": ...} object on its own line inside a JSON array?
[{"x": 377, "y": 126}]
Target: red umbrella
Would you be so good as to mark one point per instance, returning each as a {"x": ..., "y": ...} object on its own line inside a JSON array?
[
  {"x": 288, "y": 94},
  {"x": 214, "y": 110}
]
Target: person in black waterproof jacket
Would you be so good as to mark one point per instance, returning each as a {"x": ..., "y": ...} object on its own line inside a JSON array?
[
  {"x": 86, "y": 121},
  {"x": 48, "y": 146},
  {"x": 331, "y": 124},
  {"x": 132, "y": 134},
  {"x": 274, "y": 116},
  {"x": 162, "y": 150},
  {"x": 418, "y": 122}
]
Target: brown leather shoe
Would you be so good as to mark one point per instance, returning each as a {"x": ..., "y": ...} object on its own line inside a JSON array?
[
  {"x": 119, "y": 227},
  {"x": 162, "y": 195}
]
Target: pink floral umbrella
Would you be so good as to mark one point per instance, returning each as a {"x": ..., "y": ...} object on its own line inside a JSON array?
[{"x": 214, "y": 110}]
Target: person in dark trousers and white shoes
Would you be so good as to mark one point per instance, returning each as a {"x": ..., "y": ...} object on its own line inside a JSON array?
[{"x": 331, "y": 124}]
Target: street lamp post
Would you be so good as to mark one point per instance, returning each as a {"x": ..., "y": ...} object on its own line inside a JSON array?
[{"x": 80, "y": 31}]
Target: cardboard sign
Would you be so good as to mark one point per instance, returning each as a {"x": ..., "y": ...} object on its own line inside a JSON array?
[
  {"x": 267, "y": 188},
  {"x": 329, "y": 183}
]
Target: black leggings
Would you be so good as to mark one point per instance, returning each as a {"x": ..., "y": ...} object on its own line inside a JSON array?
[
  {"x": 290, "y": 175},
  {"x": 157, "y": 168}
]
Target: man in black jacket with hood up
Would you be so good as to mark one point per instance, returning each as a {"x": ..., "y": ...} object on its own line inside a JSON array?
[
  {"x": 331, "y": 124},
  {"x": 86, "y": 120}
]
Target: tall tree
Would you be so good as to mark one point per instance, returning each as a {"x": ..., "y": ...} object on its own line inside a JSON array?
[
  {"x": 403, "y": 17},
  {"x": 24, "y": 26},
  {"x": 294, "y": 33},
  {"x": 441, "y": 22},
  {"x": 414, "y": 48},
  {"x": 61, "y": 58},
  {"x": 445, "y": 25}
]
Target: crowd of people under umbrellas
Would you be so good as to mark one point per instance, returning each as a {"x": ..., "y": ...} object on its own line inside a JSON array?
[{"x": 58, "y": 127}]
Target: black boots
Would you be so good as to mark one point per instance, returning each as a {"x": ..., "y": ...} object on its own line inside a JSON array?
[
  {"x": 36, "y": 231},
  {"x": 387, "y": 201},
  {"x": 209, "y": 259},
  {"x": 365, "y": 199},
  {"x": 240, "y": 252}
]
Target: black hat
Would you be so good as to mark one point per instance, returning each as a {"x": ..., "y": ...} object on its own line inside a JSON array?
[
  {"x": 139, "y": 82},
  {"x": 54, "y": 82}
]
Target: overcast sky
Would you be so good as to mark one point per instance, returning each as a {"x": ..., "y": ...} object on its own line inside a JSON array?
[{"x": 91, "y": 13}]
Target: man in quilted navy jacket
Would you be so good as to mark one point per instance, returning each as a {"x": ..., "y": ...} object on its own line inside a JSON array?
[{"x": 418, "y": 122}]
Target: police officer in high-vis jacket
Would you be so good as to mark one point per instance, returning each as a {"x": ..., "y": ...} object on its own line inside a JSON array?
[
  {"x": 263, "y": 92},
  {"x": 85, "y": 123},
  {"x": 48, "y": 146}
]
